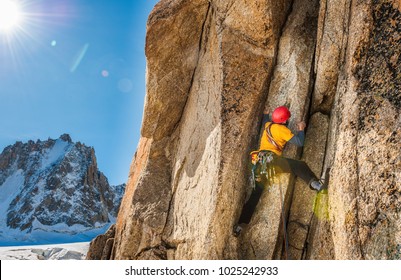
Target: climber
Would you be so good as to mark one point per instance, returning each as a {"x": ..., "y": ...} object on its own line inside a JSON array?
[{"x": 274, "y": 138}]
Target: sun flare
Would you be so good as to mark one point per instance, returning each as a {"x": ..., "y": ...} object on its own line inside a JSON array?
[{"x": 10, "y": 15}]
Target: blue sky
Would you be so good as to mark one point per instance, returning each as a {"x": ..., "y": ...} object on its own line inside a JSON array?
[{"x": 77, "y": 67}]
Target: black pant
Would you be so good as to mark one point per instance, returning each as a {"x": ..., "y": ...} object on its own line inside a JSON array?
[
  {"x": 250, "y": 205},
  {"x": 297, "y": 167}
]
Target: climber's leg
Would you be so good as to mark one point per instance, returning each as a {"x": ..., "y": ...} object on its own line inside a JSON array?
[
  {"x": 298, "y": 168},
  {"x": 249, "y": 207}
]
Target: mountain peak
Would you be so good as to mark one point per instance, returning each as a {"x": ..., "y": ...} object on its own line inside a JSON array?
[
  {"x": 53, "y": 189},
  {"x": 66, "y": 137}
]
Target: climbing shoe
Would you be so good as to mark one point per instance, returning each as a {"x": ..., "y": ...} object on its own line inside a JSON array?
[
  {"x": 316, "y": 185},
  {"x": 238, "y": 228}
]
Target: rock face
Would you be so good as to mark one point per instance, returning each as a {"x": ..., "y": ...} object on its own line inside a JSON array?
[
  {"x": 53, "y": 187},
  {"x": 365, "y": 201},
  {"x": 100, "y": 248},
  {"x": 213, "y": 66}
]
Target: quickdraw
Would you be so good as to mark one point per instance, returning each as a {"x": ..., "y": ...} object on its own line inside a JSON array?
[{"x": 261, "y": 157}]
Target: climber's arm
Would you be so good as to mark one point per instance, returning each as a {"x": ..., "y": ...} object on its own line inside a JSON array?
[
  {"x": 266, "y": 118},
  {"x": 298, "y": 139}
]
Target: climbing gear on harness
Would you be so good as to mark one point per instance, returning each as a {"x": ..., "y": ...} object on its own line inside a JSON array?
[
  {"x": 265, "y": 157},
  {"x": 281, "y": 114},
  {"x": 261, "y": 158}
]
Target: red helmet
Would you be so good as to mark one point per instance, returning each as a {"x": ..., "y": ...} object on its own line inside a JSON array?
[{"x": 281, "y": 114}]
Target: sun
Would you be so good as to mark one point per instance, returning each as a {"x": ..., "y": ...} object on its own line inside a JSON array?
[{"x": 10, "y": 15}]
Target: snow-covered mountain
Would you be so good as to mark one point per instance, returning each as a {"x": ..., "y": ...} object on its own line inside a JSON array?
[{"x": 52, "y": 191}]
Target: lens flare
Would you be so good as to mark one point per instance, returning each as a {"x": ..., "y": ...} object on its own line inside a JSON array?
[
  {"x": 78, "y": 58},
  {"x": 125, "y": 85},
  {"x": 105, "y": 73},
  {"x": 10, "y": 15}
]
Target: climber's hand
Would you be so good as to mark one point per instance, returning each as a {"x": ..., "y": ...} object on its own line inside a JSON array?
[
  {"x": 301, "y": 126},
  {"x": 266, "y": 112}
]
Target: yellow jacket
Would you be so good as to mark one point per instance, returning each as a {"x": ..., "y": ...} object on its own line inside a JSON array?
[{"x": 280, "y": 134}]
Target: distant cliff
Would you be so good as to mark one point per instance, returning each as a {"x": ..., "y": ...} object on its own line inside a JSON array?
[
  {"x": 52, "y": 191},
  {"x": 212, "y": 68}
]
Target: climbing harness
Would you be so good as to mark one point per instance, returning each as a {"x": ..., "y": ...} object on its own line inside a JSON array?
[{"x": 263, "y": 158}]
